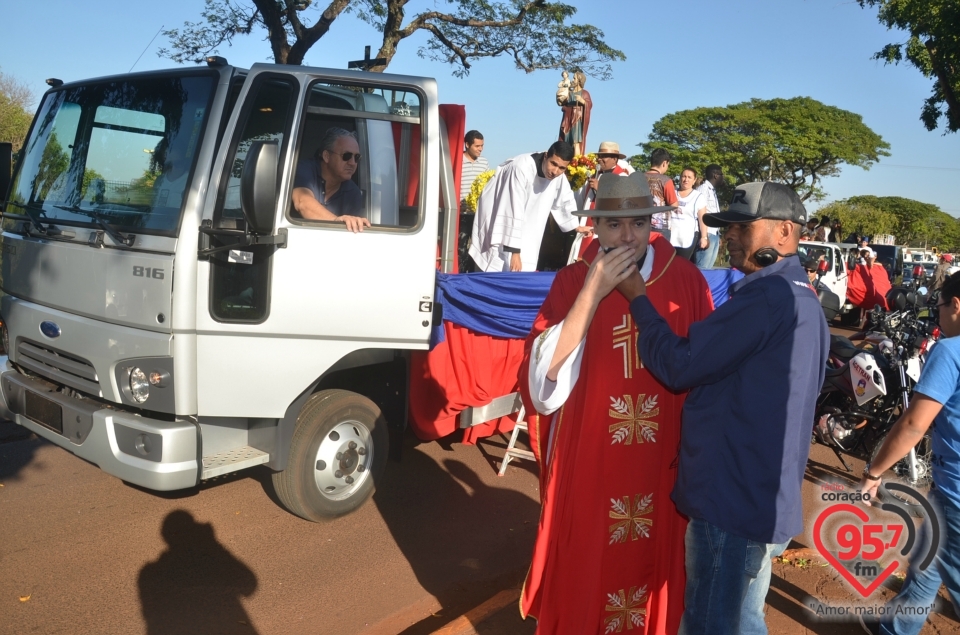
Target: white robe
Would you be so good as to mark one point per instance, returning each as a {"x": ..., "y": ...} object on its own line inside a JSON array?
[{"x": 512, "y": 212}]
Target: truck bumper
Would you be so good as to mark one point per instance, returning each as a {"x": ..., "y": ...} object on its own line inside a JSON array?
[{"x": 152, "y": 453}]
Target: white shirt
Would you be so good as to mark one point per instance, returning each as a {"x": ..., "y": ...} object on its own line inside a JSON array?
[
  {"x": 713, "y": 204},
  {"x": 684, "y": 221}
]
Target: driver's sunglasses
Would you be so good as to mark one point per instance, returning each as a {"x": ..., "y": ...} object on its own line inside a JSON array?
[{"x": 347, "y": 156}]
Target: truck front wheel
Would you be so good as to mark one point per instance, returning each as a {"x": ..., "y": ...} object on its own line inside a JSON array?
[{"x": 338, "y": 452}]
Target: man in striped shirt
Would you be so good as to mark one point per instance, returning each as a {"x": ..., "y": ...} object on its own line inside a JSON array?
[{"x": 473, "y": 164}]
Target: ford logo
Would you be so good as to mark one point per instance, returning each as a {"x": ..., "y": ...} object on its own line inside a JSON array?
[{"x": 50, "y": 329}]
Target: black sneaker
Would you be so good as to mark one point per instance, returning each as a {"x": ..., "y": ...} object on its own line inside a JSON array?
[{"x": 869, "y": 624}]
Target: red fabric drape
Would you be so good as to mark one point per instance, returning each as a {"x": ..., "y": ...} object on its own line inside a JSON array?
[
  {"x": 455, "y": 117},
  {"x": 868, "y": 286},
  {"x": 468, "y": 369}
]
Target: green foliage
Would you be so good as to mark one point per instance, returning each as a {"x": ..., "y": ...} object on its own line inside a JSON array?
[
  {"x": 15, "y": 99},
  {"x": 89, "y": 176},
  {"x": 912, "y": 222},
  {"x": 535, "y": 34},
  {"x": 796, "y": 141},
  {"x": 861, "y": 218},
  {"x": 53, "y": 163},
  {"x": 933, "y": 48},
  {"x": 912, "y": 216}
]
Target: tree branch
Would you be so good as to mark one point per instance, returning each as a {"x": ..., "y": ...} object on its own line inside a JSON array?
[
  {"x": 272, "y": 18},
  {"x": 311, "y": 35},
  {"x": 946, "y": 88},
  {"x": 421, "y": 20}
]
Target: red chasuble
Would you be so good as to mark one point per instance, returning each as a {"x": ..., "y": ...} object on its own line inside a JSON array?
[
  {"x": 868, "y": 286},
  {"x": 609, "y": 551}
]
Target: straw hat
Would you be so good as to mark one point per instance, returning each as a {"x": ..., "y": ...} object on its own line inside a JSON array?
[
  {"x": 611, "y": 147},
  {"x": 624, "y": 197}
]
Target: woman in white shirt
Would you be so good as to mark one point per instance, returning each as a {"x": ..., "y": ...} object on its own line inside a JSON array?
[{"x": 687, "y": 222}]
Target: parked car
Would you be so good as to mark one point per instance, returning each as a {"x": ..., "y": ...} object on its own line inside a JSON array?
[{"x": 891, "y": 257}]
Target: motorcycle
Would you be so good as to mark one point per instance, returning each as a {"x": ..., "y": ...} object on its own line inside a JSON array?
[{"x": 868, "y": 385}]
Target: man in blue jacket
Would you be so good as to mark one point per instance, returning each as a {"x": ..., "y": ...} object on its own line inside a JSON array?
[{"x": 754, "y": 369}]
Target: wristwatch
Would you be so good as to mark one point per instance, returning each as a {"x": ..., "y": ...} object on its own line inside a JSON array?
[{"x": 867, "y": 475}]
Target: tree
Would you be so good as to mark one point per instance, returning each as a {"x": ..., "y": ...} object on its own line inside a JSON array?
[
  {"x": 933, "y": 48},
  {"x": 918, "y": 223},
  {"x": 861, "y": 218},
  {"x": 536, "y": 34},
  {"x": 797, "y": 141},
  {"x": 15, "y": 98}
]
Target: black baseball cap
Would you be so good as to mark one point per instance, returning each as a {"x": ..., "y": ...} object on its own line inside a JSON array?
[{"x": 753, "y": 201}]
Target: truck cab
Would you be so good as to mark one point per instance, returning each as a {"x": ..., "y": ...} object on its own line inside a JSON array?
[
  {"x": 835, "y": 275},
  {"x": 169, "y": 316}
]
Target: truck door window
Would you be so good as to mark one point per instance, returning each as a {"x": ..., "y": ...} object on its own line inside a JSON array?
[
  {"x": 120, "y": 150},
  {"x": 383, "y": 184},
  {"x": 240, "y": 282}
]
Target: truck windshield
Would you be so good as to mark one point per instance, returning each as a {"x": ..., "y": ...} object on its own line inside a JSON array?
[{"x": 120, "y": 151}]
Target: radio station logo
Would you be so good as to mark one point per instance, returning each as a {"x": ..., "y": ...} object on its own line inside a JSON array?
[{"x": 864, "y": 550}]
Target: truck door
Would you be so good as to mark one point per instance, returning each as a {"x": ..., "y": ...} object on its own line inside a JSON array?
[{"x": 273, "y": 317}]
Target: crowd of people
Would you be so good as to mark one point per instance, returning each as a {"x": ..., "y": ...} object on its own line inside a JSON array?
[
  {"x": 648, "y": 525},
  {"x": 524, "y": 192}
]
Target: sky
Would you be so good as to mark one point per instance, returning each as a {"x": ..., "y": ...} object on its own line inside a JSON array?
[{"x": 689, "y": 55}]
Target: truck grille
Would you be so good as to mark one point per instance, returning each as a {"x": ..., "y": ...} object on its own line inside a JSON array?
[{"x": 60, "y": 367}]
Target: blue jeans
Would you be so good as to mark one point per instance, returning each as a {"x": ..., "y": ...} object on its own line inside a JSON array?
[
  {"x": 727, "y": 581},
  {"x": 707, "y": 258},
  {"x": 920, "y": 588}
]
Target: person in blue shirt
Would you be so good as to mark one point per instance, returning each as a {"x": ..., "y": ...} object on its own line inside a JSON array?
[
  {"x": 323, "y": 187},
  {"x": 754, "y": 368},
  {"x": 936, "y": 399}
]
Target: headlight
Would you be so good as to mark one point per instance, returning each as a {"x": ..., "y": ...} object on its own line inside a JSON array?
[{"x": 139, "y": 386}]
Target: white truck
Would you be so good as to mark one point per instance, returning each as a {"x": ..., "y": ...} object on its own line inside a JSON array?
[
  {"x": 167, "y": 314},
  {"x": 834, "y": 277}
]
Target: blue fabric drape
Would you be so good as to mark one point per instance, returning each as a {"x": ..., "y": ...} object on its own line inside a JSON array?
[
  {"x": 720, "y": 281},
  {"x": 505, "y": 304}
]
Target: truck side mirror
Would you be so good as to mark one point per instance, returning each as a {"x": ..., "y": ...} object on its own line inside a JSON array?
[
  {"x": 258, "y": 186},
  {"x": 6, "y": 168}
]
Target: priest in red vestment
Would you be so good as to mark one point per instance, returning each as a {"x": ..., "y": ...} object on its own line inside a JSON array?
[
  {"x": 609, "y": 554},
  {"x": 868, "y": 284}
]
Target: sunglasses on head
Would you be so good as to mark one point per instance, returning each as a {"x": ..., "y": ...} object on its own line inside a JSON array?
[{"x": 347, "y": 156}]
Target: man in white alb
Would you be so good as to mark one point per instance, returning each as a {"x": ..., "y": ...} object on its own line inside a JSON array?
[{"x": 513, "y": 209}]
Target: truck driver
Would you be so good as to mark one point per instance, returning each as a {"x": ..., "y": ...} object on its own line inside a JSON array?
[{"x": 323, "y": 188}]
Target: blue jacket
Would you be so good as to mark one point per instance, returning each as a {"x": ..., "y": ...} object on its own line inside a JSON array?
[{"x": 754, "y": 368}]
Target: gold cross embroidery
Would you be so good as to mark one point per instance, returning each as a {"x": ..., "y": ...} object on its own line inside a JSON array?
[
  {"x": 627, "y": 610},
  {"x": 625, "y": 337},
  {"x": 628, "y": 420},
  {"x": 632, "y": 521}
]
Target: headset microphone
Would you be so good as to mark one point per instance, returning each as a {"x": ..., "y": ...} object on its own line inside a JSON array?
[{"x": 768, "y": 255}]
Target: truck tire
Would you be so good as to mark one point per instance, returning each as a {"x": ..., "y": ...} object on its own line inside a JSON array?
[{"x": 337, "y": 454}]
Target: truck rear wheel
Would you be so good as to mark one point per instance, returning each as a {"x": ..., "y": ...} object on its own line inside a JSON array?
[{"x": 337, "y": 453}]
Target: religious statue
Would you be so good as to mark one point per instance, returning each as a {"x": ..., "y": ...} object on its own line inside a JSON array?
[
  {"x": 563, "y": 89},
  {"x": 576, "y": 114}
]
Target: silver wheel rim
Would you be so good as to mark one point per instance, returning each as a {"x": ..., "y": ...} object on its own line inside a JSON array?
[{"x": 343, "y": 460}]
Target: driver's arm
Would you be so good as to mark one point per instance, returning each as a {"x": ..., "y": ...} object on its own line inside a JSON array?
[{"x": 309, "y": 207}]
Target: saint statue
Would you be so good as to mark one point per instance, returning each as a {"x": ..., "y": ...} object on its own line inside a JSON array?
[
  {"x": 563, "y": 89},
  {"x": 576, "y": 114}
]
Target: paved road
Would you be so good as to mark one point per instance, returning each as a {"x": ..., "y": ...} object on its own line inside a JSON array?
[{"x": 94, "y": 555}]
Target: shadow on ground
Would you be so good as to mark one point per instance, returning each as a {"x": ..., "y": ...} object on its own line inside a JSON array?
[
  {"x": 432, "y": 527},
  {"x": 17, "y": 449},
  {"x": 196, "y": 584}
]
